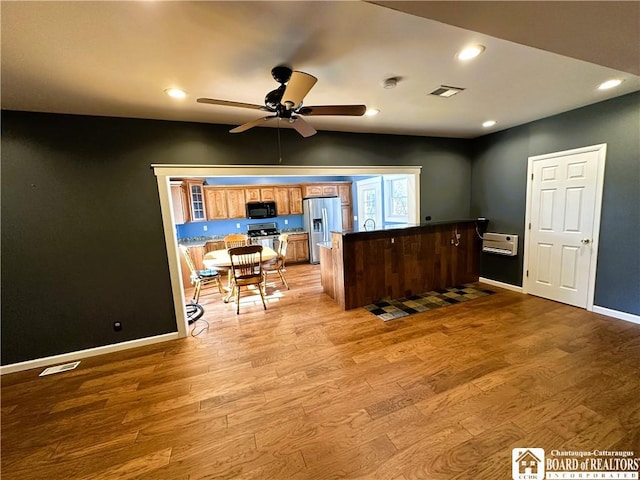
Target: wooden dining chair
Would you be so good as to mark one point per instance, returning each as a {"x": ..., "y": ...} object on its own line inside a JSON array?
[
  {"x": 246, "y": 270},
  {"x": 199, "y": 278},
  {"x": 277, "y": 264},
  {"x": 236, "y": 240}
]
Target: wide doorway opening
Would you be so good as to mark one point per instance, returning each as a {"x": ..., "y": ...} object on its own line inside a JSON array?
[{"x": 165, "y": 173}]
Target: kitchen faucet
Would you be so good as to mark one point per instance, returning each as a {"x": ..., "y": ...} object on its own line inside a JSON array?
[{"x": 367, "y": 221}]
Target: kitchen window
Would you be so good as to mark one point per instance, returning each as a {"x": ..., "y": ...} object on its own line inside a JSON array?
[{"x": 397, "y": 198}]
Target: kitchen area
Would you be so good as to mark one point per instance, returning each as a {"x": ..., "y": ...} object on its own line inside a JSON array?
[{"x": 205, "y": 211}]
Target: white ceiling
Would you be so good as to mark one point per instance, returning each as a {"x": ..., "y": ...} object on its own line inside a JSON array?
[{"x": 117, "y": 58}]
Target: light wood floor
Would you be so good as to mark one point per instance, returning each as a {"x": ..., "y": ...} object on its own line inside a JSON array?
[{"x": 307, "y": 391}]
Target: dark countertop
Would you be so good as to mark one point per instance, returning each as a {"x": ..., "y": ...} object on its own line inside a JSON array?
[{"x": 403, "y": 227}]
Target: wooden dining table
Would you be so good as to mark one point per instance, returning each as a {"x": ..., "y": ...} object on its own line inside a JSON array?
[{"x": 221, "y": 261}]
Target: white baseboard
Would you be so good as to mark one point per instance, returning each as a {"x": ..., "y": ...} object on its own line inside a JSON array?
[
  {"x": 629, "y": 317},
  {"x": 495, "y": 283},
  {"x": 90, "y": 352}
]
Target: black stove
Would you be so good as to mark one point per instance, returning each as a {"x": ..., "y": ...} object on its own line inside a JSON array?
[{"x": 263, "y": 230}]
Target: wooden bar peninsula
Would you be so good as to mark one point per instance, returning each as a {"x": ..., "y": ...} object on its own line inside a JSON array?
[{"x": 362, "y": 267}]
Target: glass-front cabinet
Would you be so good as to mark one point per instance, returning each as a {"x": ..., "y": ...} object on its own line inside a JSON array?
[{"x": 195, "y": 187}]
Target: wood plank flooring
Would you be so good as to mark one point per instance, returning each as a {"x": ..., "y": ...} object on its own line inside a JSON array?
[{"x": 305, "y": 390}]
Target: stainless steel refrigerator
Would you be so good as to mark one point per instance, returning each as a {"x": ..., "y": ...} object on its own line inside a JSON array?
[{"x": 322, "y": 215}]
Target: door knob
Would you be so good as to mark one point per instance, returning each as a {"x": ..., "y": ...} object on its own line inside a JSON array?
[{"x": 585, "y": 241}]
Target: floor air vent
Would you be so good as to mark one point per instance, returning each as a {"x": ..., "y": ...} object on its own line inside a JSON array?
[{"x": 59, "y": 368}]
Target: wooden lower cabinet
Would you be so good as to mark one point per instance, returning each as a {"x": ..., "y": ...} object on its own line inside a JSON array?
[{"x": 298, "y": 248}]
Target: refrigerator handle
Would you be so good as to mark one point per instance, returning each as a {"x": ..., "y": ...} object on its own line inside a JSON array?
[{"x": 325, "y": 229}]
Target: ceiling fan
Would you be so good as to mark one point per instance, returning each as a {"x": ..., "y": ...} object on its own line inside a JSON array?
[{"x": 285, "y": 102}]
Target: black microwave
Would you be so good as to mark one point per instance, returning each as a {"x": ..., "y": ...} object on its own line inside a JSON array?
[{"x": 261, "y": 209}]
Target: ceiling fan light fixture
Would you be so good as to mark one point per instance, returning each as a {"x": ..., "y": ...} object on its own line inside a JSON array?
[
  {"x": 297, "y": 88},
  {"x": 175, "y": 93}
]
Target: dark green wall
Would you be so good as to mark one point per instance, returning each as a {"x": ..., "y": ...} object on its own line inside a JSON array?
[
  {"x": 82, "y": 239},
  {"x": 498, "y": 191}
]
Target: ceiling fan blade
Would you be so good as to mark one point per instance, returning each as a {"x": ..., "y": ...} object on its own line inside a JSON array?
[
  {"x": 302, "y": 127},
  {"x": 251, "y": 124},
  {"x": 351, "y": 110},
  {"x": 299, "y": 85},
  {"x": 226, "y": 103}
]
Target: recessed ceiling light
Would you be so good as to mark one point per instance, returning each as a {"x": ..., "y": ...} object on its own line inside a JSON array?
[
  {"x": 470, "y": 52},
  {"x": 489, "y": 123},
  {"x": 372, "y": 112},
  {"x": 609, "y": 84},
  {"x": 175, "y": 93}
]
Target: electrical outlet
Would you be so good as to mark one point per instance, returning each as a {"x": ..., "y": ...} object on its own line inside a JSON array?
[
  {"x": 286, "y": 222},
  {"x": 205, "y": 228},
  {"x": 117, "y": 326},
  {"x": 237, "y": 225}
]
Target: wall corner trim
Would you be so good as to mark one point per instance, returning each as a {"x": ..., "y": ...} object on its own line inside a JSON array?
[
  {"x": 506, "y": 286},
  {"x": 90, "y": 352},
  {"x": 629, "y": 317}
]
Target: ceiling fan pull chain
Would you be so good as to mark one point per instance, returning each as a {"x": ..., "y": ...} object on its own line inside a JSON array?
[{"x": 279, "y": 144}]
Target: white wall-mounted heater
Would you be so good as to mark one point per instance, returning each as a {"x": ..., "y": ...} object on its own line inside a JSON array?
[{"x": 500, "y": 243}]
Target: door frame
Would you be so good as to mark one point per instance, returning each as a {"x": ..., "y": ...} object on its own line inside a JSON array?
[
  {"x": 164, "y": 173},
  {"x": 601, "y": 149}
]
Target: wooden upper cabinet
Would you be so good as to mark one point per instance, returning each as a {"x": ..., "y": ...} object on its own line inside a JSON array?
[
  {"x": 259, "y": 194},
  {"x": 288, "y": 200},
  {"x": 311, "y": 190},
  {"x": 252, "y": 194},
  {"x": 267, "y": 194},
  {"x": 295, "y": 201},
  {"x": 216, "y": 201},
  {"x": 236, "y": 203},
  {"x": 344, "y": 192},
  {"x": 224, "y": 203},
  {"x": 180, "y": 202},
  {"x": 282, "y": 200},
  {"x": 319, "y": 190}
]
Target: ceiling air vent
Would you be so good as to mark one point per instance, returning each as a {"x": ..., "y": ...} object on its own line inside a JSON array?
[{"x": 446, "y": 91}]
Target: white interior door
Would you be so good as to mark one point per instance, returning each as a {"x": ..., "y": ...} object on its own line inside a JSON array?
[{"x": 564, "y": 197}]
